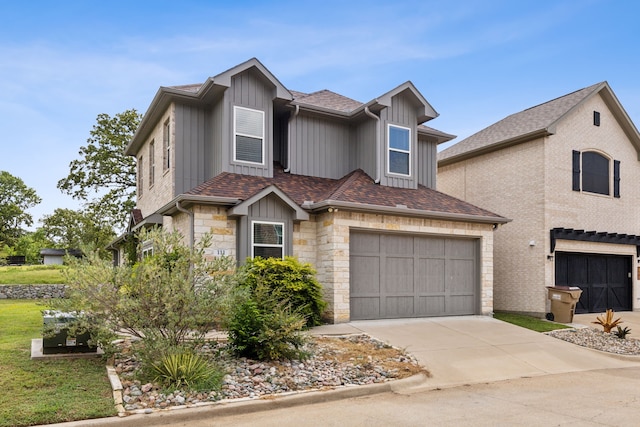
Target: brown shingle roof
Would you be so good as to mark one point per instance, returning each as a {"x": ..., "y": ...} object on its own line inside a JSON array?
[
  {"x": 355, "y": 188},
  {"x": 520, "y": 124},
  {"x": 327, "y": 99}
]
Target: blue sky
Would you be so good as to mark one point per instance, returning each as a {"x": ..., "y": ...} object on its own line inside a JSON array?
[{"x": 63, "y": 63}]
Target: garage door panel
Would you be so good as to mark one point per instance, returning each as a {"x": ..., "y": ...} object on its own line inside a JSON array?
[
  {"x": 417, "y": 276},
  {"x": 431, "y": 306},
  {"x": 461, "y": 304},
  {"x": 399, "y": 306},
  {"x": 397, "y": 244},
  {"x": 365, "y": 308},
  {"x": 365, "y": 279},
  {"x": 399, "y": 276},
  {"x": 460, "y": 275},
  {"x": 430, "y": 247},
  {"x": 365, "y": 243},
  {"x": 457, "y": 248},
  {"x": 431, "y": 276}
]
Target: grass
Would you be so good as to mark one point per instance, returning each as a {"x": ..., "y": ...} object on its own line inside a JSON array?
[
  {"x": 529, "y": 322},
  {"x": 31, "y": 274},
  {"x": 45, "y": 391}
]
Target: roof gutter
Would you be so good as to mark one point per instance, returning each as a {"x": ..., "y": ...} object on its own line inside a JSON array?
[
  {"x": 403, "y": 210},
  {"x": 293, "y": 116},
  {"x": 373, "y": 116},
  {"x": 540, "y": 133}
]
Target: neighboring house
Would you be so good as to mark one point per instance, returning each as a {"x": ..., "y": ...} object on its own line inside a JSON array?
[
  {"x": 567, "y": 173},
  {"x": 346, "y": 186},
  {"x": 56, "y": 256}
]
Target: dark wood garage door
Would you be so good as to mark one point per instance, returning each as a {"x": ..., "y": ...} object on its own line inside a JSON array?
[
  {"x": 605, "y": 280},
  {"x": 403, "y": 275}
]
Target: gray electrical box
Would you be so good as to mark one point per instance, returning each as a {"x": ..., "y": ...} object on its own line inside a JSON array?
[{"x": 57, "y": 339}]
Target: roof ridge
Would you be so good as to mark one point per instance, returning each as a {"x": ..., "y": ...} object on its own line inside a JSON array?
[
  {"x": 343, "y": 184},
  {"x": 560, "y": 97}
]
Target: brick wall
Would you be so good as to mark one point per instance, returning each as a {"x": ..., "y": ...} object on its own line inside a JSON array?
[{"x": 531, "y": 184}]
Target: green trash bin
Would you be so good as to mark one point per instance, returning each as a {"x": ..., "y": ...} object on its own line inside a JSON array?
[{"x": 563, "y": 302}]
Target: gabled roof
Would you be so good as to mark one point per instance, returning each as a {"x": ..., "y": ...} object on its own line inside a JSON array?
[
  {"x": 356, "y": 191},
  {"x": 536, "y": 122}
]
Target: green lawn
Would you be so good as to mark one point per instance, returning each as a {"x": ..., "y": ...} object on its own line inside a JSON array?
[
  {"x": 31, "y": 274},
  {"x": 45, "y": 391},
  {"x": 529, "y": 322}
]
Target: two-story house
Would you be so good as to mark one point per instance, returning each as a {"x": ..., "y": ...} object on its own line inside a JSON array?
[
  {"x": 346, "y": 186},
  {"x": 567, "y": 173}
]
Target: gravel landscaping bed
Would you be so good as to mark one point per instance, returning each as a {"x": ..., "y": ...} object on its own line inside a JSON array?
[
  {"x": 597, "y": 339},
  {"x": 337, "y": 361}
]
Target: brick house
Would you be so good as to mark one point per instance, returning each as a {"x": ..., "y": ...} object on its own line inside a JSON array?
[
  {"x": 567, "y": 173},
  {"x": 346, "y": 186}
]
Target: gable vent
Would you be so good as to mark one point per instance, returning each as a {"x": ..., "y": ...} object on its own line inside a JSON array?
[{"x": 596, "y": 118}]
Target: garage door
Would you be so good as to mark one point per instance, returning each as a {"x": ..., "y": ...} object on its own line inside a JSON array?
[
  {"x": 605, "y": 280},
  {"x": 403, "y": 275}
]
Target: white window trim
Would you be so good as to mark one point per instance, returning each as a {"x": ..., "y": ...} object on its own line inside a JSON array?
[
  {"x": 152, "y": 163},
  {"x": 166, "y": 146},
  {"x": 389, "y": 149},
  {"x": 282, "y": 245},
  {"x": 235, "y": 133}
]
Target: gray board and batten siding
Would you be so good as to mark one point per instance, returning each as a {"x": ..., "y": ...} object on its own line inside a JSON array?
[{"x": 406, "y": 275}]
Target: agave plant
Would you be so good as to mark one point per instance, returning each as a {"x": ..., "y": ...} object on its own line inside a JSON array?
[
  {"x": 607, "y": 322},
  {"x": 622, "y": 332}
]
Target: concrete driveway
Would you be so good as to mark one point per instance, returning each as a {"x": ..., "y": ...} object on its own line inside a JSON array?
[
  {"x": 477, "y": 349},
  {"x": 630, "y": 319}
]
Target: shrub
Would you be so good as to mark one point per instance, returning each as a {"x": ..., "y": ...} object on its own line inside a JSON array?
[
  {"x": 607, "y": 322},
  {"x": 290, "y": 281},
  {"x": 186, "y": 369},
  {"x": 264, "y": 327}
]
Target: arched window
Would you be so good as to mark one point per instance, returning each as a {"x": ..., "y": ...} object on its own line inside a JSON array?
[{"x": 591, "y": 173}]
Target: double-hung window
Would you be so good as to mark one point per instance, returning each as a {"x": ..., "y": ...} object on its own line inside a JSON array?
[
  {"x": 399, "y": 150},
  {"x": 267, "y": 239},
  {"x": 248, "y": 135}
]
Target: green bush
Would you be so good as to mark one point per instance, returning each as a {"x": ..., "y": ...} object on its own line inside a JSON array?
[
  {"x": 290, "y": 281},
  {"x": 263, "y": 327},
  {"x": 185, "y": 368}
]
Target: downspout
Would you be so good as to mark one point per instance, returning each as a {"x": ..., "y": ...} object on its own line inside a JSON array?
[
  {"x": 373, "y": 116},
  {"x": 191, "y": 223},
  {"x": 295, "y": 114}
]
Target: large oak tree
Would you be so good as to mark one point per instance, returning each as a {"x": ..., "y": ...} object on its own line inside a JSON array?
[
  {"x": 15, "y": 199},
  {"x": 104, "y": 177}
]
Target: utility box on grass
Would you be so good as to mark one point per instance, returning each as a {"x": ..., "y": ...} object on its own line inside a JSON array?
[
  {"x": 563, "y": 302},
  {"x": 57, "y": 339}
]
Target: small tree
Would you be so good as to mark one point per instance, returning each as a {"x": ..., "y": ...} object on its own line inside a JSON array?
[{"x": 164, "y": 299}]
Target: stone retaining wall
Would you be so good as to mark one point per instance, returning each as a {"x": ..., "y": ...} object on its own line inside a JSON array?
[{"x": 31, "y": 291}]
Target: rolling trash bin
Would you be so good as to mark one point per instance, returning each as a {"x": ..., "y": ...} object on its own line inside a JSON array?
[{"x": 563, "y": 302}]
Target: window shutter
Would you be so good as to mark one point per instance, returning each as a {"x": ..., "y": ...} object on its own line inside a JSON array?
[
  {"x": 576, "y": 170},
  {"x": 616, "y": 178}
]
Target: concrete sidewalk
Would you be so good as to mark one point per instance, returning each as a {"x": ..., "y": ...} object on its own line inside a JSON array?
[{"x": 476, "y": 349}]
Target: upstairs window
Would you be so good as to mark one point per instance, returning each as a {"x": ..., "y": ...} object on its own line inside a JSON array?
[
  {"x": 399, "y": 150},
  {"x": 140, "y": 176},
  {"x": 166, "y": 146},
  {"x": 592, "y": 173},
  {"x": 248, "y": 135},
  {"x": 267, "y": 239},
  {"x": 152, "y": 163}
]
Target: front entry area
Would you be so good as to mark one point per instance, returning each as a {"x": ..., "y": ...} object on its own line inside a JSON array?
[
  {"x": 405, "y": 275},
  {"x": 605, "y": 280}
]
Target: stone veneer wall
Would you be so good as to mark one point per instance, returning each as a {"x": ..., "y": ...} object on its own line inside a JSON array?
[{"x": 31, "y": 291}]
